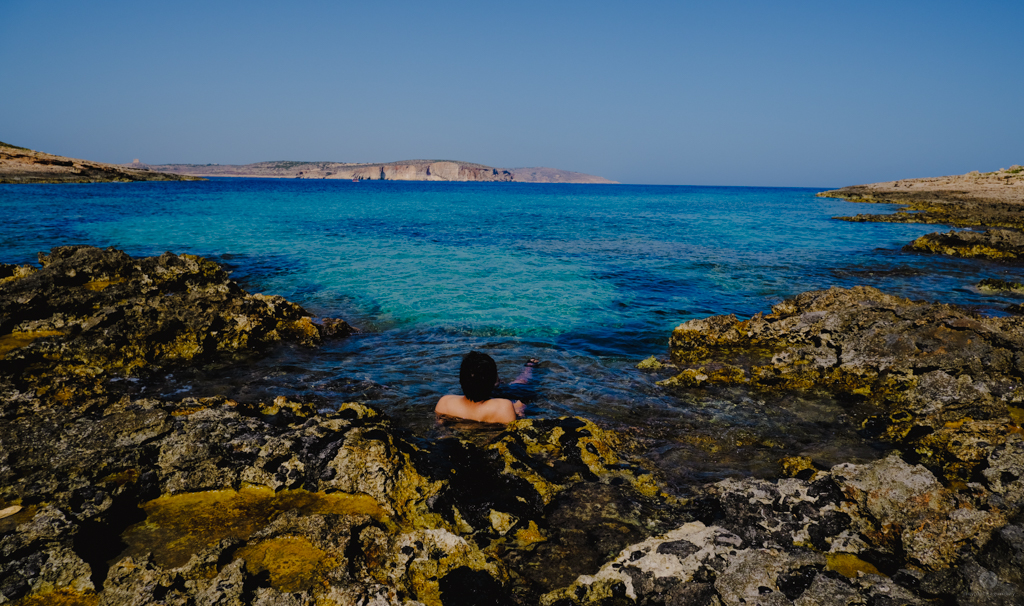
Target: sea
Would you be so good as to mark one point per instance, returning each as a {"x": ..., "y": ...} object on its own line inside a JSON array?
[{"x": 588, "y": 279}]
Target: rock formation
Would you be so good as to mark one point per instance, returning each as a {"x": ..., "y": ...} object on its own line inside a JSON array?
[
  {"x": 921, "y": 526},
  {"x": 408, "y": 170},
  {"x": 111, "y": 498},
  {"x": 106, "y": 498},
  {"x": 21, "y": 165},
  {"x": 993, "y": 199},
  {"x": 1000, "y": 244}
]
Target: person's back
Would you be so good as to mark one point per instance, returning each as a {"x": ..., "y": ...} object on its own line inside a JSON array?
[
  {"x": 478, "y": 375},
  {"x": 494, "y": 410}
]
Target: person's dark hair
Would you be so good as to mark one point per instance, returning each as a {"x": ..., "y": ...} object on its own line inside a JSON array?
[{"x": 477, "y": 375}]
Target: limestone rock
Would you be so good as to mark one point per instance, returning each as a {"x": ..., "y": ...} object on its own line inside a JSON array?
[
  {"x": 941, "y": 377},
  {"x": 1000, "y": 244}
]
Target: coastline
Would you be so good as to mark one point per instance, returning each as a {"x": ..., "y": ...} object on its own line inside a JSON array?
[
  {"x": 255, "y": 498},
  {"x": 19, "y": 165},
  {"x": 406, "y": 170},
  {"x": 993, "y": 200}
]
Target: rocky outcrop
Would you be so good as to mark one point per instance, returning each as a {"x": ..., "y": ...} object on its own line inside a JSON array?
[
  {"x": 1000, "y": 244},
  {"x": 21, "y": 165},
  {"x": 937, "y": 521},
  {"x": 88, "y": 315},
  {"x": 997, "y": 285},
  {"x": 110, "y": 499},
  {"x": 943, "y": 380},
  {"x": 882, "y": 533},
  {"x": 994, "y": 199},
  {"x": 107, "y": 498}
]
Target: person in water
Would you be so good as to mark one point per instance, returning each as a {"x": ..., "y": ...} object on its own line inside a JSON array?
[{"x": 478, "y": 376}]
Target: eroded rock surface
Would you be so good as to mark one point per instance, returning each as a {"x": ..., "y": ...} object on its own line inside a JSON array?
[
  {"x": 943, "y": 380},
  {"x": 1000, "y": 244},
  {"x": 934, "y": 522},
  {"x": 114, "y": 500},
  {"x": 106, "y": 499},
  {"x": 994, "y": 199},
  {"x": 89, "y": 314}
]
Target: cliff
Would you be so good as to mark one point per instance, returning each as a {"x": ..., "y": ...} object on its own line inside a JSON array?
[
  {"x": 21, "y": 165},
  {"x": 406, "y": 170}
]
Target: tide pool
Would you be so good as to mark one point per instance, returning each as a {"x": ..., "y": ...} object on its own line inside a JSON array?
[{"x": 589, "y": 278}]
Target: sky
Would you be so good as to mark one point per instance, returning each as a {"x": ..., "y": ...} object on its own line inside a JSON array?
[{"x": 757, "y": 93}]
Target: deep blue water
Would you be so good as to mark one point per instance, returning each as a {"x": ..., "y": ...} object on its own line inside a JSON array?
[{"x": 589, "y": 278}]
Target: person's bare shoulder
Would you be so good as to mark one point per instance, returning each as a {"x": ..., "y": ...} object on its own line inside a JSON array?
[
  {"x": 500, "y": 410},
  {"x": 448, "y": 405}
]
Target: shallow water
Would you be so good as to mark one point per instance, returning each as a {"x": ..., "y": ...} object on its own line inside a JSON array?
[{"x": 590, "y": 279}]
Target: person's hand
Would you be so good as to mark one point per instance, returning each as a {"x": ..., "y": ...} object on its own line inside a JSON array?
[{"x": 520, "y": 408}]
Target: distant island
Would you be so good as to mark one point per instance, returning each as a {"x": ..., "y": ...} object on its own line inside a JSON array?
[
  {"x": 23, "y": 165},
  {"x": 406, "y": 170}
]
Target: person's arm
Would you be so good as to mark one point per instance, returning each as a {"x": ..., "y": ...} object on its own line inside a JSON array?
[
  {"x": 520, "y": 409},
  {"x": 527, "y": 372}
]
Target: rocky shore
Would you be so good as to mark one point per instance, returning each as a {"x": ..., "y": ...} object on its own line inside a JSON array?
[
  {"x": 21, "y": 165},
  {"x": 107, "y": 497},
  {"x": 994, "y": 199},
  {"x": 111, "y": 498}
]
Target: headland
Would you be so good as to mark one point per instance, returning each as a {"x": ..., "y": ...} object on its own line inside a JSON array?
[
  {"x": 993, "y": 200},
  {"x": 22, "y": 165},
  {"x": 406, "y": 170}
]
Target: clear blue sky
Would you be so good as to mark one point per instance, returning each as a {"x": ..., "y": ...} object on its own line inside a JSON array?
[{"x": 727, "y": 93}]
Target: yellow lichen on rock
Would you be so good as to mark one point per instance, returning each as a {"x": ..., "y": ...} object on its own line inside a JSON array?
[
  {"x": 180, "y": 526},
  {"x": 653, "y": 363},
  {"x": 302, "y": 330},
  {"x": 17, "y": 340},
  {"x": 849, "y": 565},
  {"x": 415, "y": 562},
  {"x": 293, "y": 563},
  {"x": 98, "y": 285},
  {"x": 60, "y": 597}
]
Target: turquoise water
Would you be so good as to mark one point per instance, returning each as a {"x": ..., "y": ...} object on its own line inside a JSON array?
[{"x": 591, "y": 279}]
